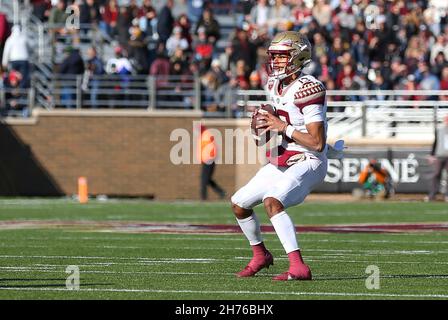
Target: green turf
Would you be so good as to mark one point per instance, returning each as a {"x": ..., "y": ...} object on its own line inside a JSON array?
[{"x": 193, "y": 266}]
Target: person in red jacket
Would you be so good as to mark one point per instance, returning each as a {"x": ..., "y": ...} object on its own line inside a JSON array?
[{"x": 5, "y": 31}]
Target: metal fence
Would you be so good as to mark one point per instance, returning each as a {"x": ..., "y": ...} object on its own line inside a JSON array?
[
  {"x": 380, "y": 114},
  {"x": 16, "y": 102},
  {"x": 412, "y": 114}
]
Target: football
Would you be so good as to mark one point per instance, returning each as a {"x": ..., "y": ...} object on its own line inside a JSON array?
[{"x": 258, "y": 135}]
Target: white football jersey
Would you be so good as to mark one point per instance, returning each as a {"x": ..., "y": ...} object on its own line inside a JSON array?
[{"x": 299, "y": 103}]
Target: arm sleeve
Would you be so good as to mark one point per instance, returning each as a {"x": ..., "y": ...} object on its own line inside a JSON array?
[{"x": 313, "y": 113}]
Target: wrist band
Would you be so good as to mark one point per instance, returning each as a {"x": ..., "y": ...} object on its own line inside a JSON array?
[{"x": 289, "y": 131}]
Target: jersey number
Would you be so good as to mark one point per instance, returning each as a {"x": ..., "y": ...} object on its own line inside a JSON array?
[{"x": 284, "y": 116}]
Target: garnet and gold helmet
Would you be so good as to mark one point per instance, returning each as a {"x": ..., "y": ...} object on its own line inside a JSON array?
[{"x": 293, "y": 45}]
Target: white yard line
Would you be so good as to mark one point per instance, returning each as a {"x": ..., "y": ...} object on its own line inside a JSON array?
[{"x": 208, "y": 292}]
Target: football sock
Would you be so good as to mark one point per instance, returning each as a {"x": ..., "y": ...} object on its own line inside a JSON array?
[
  {"x": 259, "y": 250},
  {"x": 295, "y": 262},
  {"x": 251, "y": 229},
  {"x": 286, "y": 231}
]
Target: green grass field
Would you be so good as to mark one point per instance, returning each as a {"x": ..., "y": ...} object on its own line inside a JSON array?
[{"x": 121, "y": 257}]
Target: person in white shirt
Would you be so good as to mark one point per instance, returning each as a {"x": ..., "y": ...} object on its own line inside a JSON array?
[{"x": 16, "y": 54}]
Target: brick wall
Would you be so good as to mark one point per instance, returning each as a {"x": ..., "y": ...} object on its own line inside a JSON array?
[{"x": 123, "y": 153}]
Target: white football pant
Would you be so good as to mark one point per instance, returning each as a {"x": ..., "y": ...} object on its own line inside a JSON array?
[{"x": 289, "y": 185}]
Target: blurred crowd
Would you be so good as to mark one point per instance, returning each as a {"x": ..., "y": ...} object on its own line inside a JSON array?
[{"x": 357, "y": 44}]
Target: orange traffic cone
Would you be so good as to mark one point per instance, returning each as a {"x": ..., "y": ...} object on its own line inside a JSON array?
[{"x": 83, "y": 195}]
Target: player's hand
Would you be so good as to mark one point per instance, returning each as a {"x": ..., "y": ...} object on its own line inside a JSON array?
[{"x": 272, "y": 123}]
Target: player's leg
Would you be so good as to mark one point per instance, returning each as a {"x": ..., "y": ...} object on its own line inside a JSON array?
[
  {"x": 296, "y": 184},
  {"x": 242, "y": 203},
  {"x": 286, "y": 232}
]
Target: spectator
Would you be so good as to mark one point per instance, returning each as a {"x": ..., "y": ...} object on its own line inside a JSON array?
[
  {"x": 138, "y": 49},
  {"x": 211, "y": 26},
  {"x": 240, "y": 79},
  {"x": 89, "y": 13},
  {"x": 301, "y": 14},
  {"x": 148, "y": 24},
  {"x": 259, "y": 16},
  {"x": 244, "y": 49},
  {"x": 427, "y": 81},
  {"x": 322, "y": 13},
  {"x": 324, "y": 71},
  {"x": 41, "y": 9},
  {"x": 15, "y": 97},
  {"x": 109, "y": 18},
  {"x": 119, "y": 67},
  {"x": 124, "y": 22},
  {"x": 180, "y": 57},
  {"x": 161, "y": 67},
  {"x": 16, "y": 55},
  {"x": 165, "y": 23},
  {"x": 4, "y": 32},
  {"x": 345, "y": 77},
  {"x": 279, "y": 16},
  {"x": 441, "y": 45},
  {"x": 255, "y": 84},
  {"x": 439, "y": 160},
  {"x": 207, "y": 153},
  {"x": 176, "y": 41},
  {"x": 71, "y": 66},
  {"x": 375, "y": 180},
  {"x": 119, "y": 64},
  {"x": 439, "y": 63},
  {"x": 95, "y": 69},
  {"x": 227, "y": 61},
  {"x": 444, "y": 82},
  {"x": 184, "y": 23},
  {"x": 58, "y": 18},
  {"x": 194, "y": 10},
  {"x": 203, "y": 51},
  {"x": 148, "y": 20}
]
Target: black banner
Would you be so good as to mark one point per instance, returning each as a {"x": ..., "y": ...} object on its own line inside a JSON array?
[{"x": 408, "y": 167}]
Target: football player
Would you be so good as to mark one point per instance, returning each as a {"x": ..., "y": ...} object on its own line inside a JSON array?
[{"x": 300, "y": 162}]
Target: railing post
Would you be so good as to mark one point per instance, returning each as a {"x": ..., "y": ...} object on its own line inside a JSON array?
[
  {"x": 228, "y": 102},
  {"x": 2, "y": 99},
  {"x": 364, "y": 120},
  {"x": 41, "y": 50},
  {"x": 197, "y": 92},
  {"x": 436, "y": 109},
  {"x": 152, "y": 94},
  {"x": 32, "y": 94},
  {"x": 78, "y": 91}
]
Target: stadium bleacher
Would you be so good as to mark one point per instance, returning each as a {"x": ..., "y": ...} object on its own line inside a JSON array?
[{"x": 392, "y": 55}]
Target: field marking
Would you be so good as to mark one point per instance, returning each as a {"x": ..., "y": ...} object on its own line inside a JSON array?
[
  {"x": 158, "y": 261},
  {"x": 341, "y": 294},
  {"x": 328, "y": 252},
  {"x": 197, "y": 228},
  {"x": 233, "y": 237},
  {"x": 262, "y": 274}
]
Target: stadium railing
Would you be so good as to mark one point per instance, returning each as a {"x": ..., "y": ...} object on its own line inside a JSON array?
[
  {"x": 358, "y": 113},
  {"x": 410, "y": 114},
  {"x": 16, "y": 101},
  {"x": 116, "y": 91}
]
